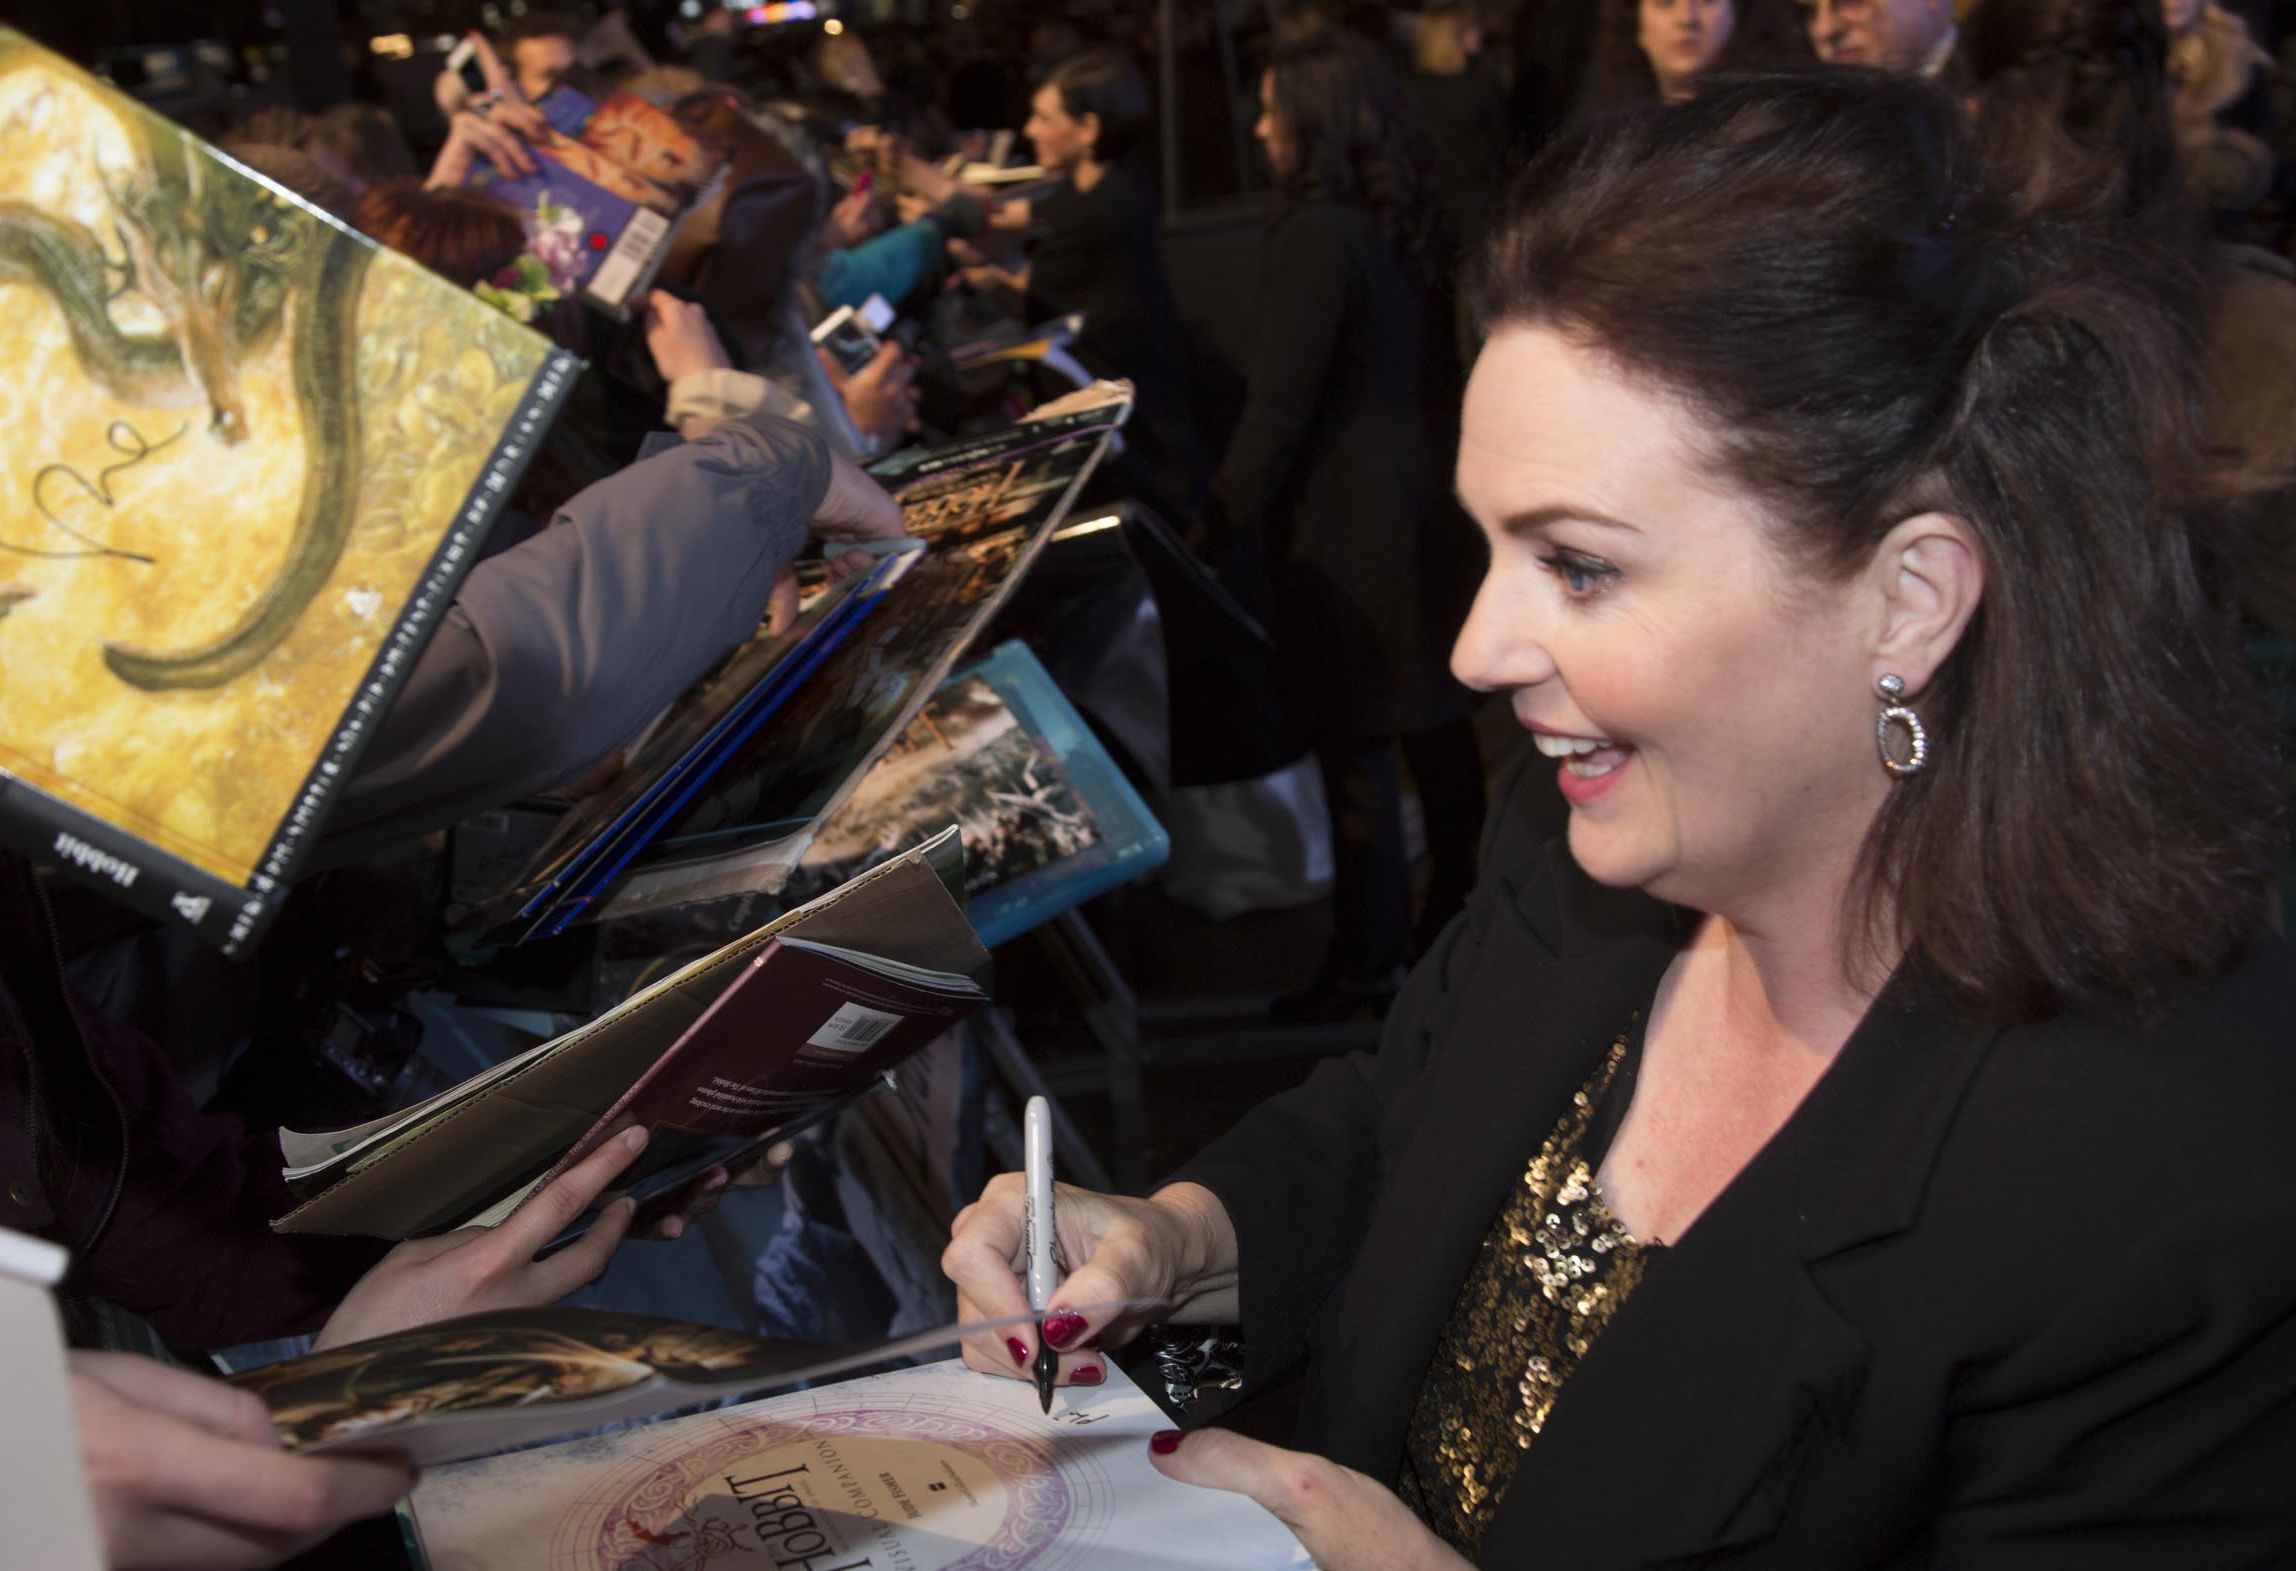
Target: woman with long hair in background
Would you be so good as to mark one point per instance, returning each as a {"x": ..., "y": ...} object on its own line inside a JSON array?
[{"x": 1322, "y": 505}]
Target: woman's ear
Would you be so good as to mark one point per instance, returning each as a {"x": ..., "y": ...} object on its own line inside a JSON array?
[
  {"x": 1930, "y": 574},
  {"x": 1089, "y": 124}
]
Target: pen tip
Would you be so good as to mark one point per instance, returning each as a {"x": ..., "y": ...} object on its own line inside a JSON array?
[{"x": 1046, "y": 1369}]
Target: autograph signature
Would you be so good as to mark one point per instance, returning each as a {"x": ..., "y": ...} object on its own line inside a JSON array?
[{"x": 123, "y": 438}]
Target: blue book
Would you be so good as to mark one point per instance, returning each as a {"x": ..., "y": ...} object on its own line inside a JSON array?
[{"x": 1048, "y": 819}]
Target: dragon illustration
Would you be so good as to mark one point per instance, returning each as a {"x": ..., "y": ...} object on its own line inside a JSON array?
[{"x": 224, "y": 262}]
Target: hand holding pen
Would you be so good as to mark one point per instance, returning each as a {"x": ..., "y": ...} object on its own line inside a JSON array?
[{"x": 1131, "y": 1263}]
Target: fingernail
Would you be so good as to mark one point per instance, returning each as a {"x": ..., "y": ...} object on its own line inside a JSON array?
[
  {"x": 635, "y": 1139},
  {"x": 1063, "y": 1326},
  {"x": 674, "y": 1227},
  {"x": 1019, "y": 1350},
  {"x": 1165, "y": 1441},
  {"x": 718, "y": 1179},
  {"x": 1087, "y": 1375}
]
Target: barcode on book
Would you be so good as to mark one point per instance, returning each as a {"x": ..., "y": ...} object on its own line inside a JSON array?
[
  {"x": 853, "y": 1028},
  {"x": 633, "y": 253}
]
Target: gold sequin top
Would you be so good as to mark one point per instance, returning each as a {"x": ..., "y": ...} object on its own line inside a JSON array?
[{"x": 1549, "y": 1276}]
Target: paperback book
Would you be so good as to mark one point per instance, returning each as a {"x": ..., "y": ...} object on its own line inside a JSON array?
[
  {"x": 636, "y": 136},
  {"x": 751, "y": 762},
  {"x": 592, "y": 232},
  {"x": 739, "y": 1048},
  {"x": 1048, "y": 821},
  {"x": 597, "y": 836},
  {"x": 246, "y": 456},
  {"x": 487, "y": 1382},
  {"x": 986, "y": 508}
]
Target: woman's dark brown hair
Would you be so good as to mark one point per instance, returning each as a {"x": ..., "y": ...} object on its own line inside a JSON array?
[
  {"x": 466, "y": 236},
  {"x": 1879, "y": 317},
  {"x": 1103, "y": 81},
  {"x": 1355, "y": 139}
]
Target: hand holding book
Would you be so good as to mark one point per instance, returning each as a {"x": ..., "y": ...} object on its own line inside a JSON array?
[
  {"x": 474, "y": 1269},
  {"x": 186, "y": 1471}
]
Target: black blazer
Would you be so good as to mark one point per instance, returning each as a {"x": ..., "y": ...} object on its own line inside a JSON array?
[{"x": 1991, "y": 1297}]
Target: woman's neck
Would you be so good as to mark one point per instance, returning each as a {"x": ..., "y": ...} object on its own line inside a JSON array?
[
  {"x": 1087, "y": 173},
  {"x": 1791, "y": 965},
  {"x": 1789, "y": 990}
]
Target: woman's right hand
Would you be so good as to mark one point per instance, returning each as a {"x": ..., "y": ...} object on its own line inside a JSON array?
[{"x": 1176, "y": 1249}]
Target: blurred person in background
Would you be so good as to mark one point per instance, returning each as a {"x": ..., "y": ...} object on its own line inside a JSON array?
[
  {"x": 1912, "y": 36},
  {"x": 2096, "y": 77},
  {"x": 1321, "y": 499},
  {"x": 1661, "y": 47},
  {"x": 1096, "y": 246},
  {"x": 1463, "y": 107},
  {"x": 2220, "y": 106},
  {"x": 529, "y": 57}
]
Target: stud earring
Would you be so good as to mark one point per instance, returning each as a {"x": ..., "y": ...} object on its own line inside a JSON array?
[{"x": 1894, "y": 712}]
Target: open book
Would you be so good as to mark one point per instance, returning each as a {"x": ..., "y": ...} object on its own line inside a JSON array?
[
  {"x": 928, "y": 1469},
  {"x": 511, "y": 1377},
  {"x": 742, "y": 1046}
]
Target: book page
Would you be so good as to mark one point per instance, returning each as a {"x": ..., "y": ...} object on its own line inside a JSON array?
[{"x": 923, "y": 1469}]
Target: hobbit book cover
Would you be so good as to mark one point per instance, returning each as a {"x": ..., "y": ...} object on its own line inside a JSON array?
[{"x": 245, "y": 457}]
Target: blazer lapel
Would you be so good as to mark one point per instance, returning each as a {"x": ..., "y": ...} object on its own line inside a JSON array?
[
  {"x": 1564, "y": 966},
  {"x": 1682, "y": 1433}
]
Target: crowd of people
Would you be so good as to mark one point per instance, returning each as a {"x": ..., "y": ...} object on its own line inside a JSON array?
[{"x": 1834, "y": 1096}]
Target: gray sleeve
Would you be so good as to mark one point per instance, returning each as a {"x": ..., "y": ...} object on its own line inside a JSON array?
[{"x": 557, "y": 651}]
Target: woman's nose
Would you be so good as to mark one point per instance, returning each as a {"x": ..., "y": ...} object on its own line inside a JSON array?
[{"x": 1497, "y": 648}]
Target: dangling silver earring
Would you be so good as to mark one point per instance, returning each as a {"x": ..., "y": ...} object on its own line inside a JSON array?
[{"x": 1892, "y": 689}]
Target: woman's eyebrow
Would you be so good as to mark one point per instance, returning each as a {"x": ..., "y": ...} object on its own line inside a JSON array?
[{"x": 1535, "y": 518}]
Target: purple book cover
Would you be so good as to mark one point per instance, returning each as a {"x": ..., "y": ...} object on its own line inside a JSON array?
[{"x": 581, "y": 239}]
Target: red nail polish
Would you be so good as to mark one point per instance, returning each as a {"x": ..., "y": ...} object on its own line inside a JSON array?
[
  {"x": 1063, "y": 1326},
  {"x": 1087, "y": 1375},
  {"x": 1165, "y": 1441},
  {"x": 1019, "y": 1350}
]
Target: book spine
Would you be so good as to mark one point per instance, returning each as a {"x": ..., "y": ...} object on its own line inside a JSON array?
[
  {"x": 434, "y": 592},
  {"x": 133, "y": 870}
]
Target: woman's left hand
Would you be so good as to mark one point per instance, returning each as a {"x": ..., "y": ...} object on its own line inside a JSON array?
[
  {"x": 1346, "y": 1522},
  {"x": 479, "y": 1268}
]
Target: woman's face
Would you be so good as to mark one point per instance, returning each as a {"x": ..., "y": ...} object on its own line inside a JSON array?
[
  {"x": 1275, "y": 141},
  {"x": 1062, "y": 141},
  {"x": 1716, "y": 704},
  {"x": 1681, "y": 38}
]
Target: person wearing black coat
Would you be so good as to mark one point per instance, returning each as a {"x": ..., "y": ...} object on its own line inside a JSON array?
[
  {"x": 1097, "y": 248},
  {"x": 1863, "y": 1144},
  {"x": 2037, "y": 1272},
  {"x": 1323, "y": 501}
]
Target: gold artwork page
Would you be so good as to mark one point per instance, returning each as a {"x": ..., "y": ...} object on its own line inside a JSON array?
[{"x": 156, "y": 524}]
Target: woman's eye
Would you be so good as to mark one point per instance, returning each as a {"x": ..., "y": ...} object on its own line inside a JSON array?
[{"x": 1582, "y": 576}]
